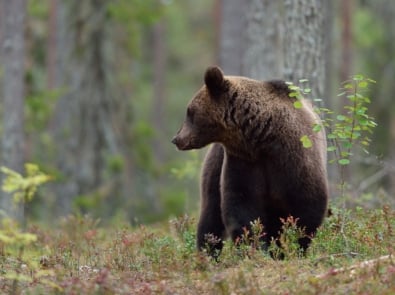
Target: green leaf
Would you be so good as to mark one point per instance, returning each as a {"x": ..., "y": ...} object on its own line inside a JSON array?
[
  {"x": 357, "y": 78},
  {"x": 351, "y": 97},
  {"x": 342, "y": 135},
  {"x": 23, "y": 188},
  {"x": 365, "y": 143},
  {"x": 344, "y": 161},
  {"x": 361, "y": 111},
  {"x": 345, "y": 154},
  {"x": 340, "y": 117},
  {"x": 356, "y": 135},
  {"x": 370, "y": 80},
  {"x": 307, "y": 90},
  {"x": 298, "y": 104},
  {"x": 362, "y": 84},
  {"x": 331, "y": 148},
  {"x": 293, "y": 87},
  {"x": 306, "y": 142},
  {"x": 317, "y": 127},
  {"x": 331, "y": 136},
  {"x": 348, "y": 86},
  {"x": 303, "y": 80}
]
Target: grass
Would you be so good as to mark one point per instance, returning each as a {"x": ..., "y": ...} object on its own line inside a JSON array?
[{"x": 80, "y": 257}]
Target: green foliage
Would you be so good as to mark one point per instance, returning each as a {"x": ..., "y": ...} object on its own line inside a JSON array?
[
  {"x": 249, "y": 243},
  {"x": 115, "y": 164},
  {"x": 287, "y": 246},
  {"x": 184, "y": 228},
  {"x": 190, "y": 168},
  {"x": 39, "y": 108},
  {"x": 133, "y": 15},
  {"x": 299, "y": 92},
  {"x": 140, "y": 11},
  {"x": 346, "y": 130},
  {"x": 306, "y": 142},
  {"x": 12, "y": 238},
  {"x": 21, "y": 187},
  {"x": 37, "y": 8},
  {"x": 143, "y": 134},
  {"x": 11, "y": 235},
  {"x": 353, "y": 127}
]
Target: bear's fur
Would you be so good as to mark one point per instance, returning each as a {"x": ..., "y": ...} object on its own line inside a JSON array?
[{"x": 257, "y": 166}]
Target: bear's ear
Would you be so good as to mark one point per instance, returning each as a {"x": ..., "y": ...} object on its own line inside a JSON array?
[{"x": 215, "y": 81}]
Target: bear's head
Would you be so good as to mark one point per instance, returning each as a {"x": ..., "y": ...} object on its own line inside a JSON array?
[
  {"x": 204, "y": 122},
  {"x": 238, "y": 112}
]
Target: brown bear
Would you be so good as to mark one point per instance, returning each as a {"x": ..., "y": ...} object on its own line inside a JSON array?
[{"x": 257, "y": 166}]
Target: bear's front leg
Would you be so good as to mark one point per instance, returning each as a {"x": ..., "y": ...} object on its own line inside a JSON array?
[{"x": 211, "y": 230}]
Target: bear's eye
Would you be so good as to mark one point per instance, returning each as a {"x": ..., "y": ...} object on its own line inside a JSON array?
[{"x": 190, "y": 114}]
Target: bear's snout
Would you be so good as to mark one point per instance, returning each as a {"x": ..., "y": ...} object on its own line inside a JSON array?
[
  {"x": 180, "y": 143},
  {"x": 182, "y": 139},
  {"x": 174, "y": 140}
]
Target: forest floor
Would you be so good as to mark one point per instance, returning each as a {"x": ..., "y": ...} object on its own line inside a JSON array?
[{"x": 351, "y": 254}]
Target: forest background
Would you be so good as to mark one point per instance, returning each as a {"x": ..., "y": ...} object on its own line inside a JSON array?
[{"x": 104, "y": 87}]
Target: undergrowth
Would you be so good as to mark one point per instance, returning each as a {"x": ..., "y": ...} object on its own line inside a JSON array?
[{"x": 80, "y": 257}]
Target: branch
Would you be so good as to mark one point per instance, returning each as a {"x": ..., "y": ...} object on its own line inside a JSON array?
[{"x": 353, "y": 268}]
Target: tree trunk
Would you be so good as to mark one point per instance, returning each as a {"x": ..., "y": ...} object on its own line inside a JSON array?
[
  {"x": 262, "y": 58},
  {"x": 13, "y": 57},
  {"x": 304, "y": 44},
  {"x": 266, "y": 39},
  {"x": 217, "y": 12},
  {"x": 232, "y": 36},
  {"x": 84, "y": 123},
  {"x": 51, "y": 45},
  {"x": 1, "y": 23},
  {"x": 346, "y": 40},
  {"x": 159, "y": 89}
]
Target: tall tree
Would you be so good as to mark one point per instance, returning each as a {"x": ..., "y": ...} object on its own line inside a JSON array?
[
  {"x": 13, "y": 57},
  {"x": 304, "y": 43},
  {"x": 232, "y": 38},
  {"x": 346, "y": 39},
  {"x": 84, "y": 127},
  {"x": 275, "y": 39},
  {"x": 159, "y": 66},
  {"x": 51, "y": 44},
  {"x": 262, "y": 58}
]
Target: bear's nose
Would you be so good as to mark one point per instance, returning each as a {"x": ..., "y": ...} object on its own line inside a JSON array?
[{"x": 174, "y": 140}]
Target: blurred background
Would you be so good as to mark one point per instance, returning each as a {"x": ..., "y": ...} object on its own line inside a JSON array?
[{"x": 93, "y": 91}]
